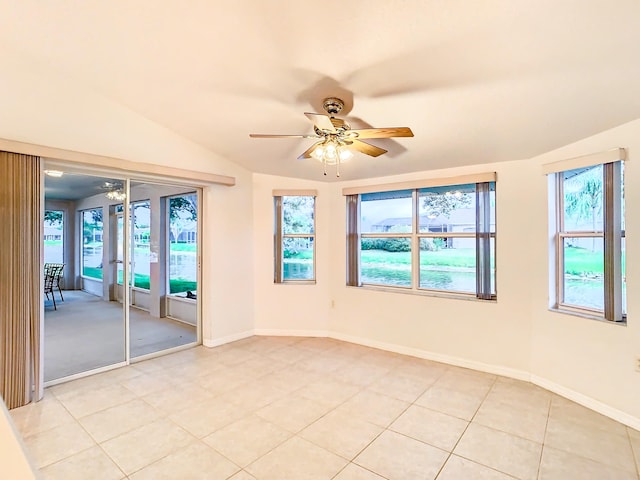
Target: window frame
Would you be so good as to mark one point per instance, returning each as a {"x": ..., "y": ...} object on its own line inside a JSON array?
[
  {"x": 482, "y": 234},
  {"x": 279, "y": 236},
  {"x": 612, "y": 235}
]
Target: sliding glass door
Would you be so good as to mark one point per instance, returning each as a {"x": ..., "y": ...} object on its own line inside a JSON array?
[
  {"x": 84, "y": 324},
  {"x": 130, "y": 281}
]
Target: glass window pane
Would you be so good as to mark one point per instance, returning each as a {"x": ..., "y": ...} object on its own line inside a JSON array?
[
  {"x": 386, "y": 212},
  {"x": 141, "y": 229},
  {"x": 92, "y": 243},
  {"x": 53, "y": 236},
  {"x": 584, "y": 272},
  {"x": 183, "y": 228},
  {"x": 583, "y": 202},
  {"x": 297, "y": 262},
  {"x": 386, "y": 261},
  {"x": 451, "y": 208},
  {"x": 297, "y": 214},
  {"x": 448, "y": 264}
]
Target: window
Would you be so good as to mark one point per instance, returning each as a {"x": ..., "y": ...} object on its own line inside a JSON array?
[
  {"x": 183, "y": 238},
  {"x": 438, "y": 238},
  {"x": 294, "y": 238},
  {"x": 53, "y": 236},
  {"x": 92, "y": 243},
  {"x": 589, "y": 240}
]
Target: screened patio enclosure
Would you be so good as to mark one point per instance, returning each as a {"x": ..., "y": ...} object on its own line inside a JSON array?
[{"x": 131, "y": 273}]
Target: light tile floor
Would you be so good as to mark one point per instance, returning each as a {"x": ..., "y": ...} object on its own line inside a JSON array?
[{"x": 311, "y": 408}]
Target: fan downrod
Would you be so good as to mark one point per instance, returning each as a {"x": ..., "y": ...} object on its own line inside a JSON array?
[{"x": 332, "y": 105}]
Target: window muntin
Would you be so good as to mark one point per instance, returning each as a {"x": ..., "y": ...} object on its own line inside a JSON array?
[
  {"x": 590, "y": 229},
  {"x": 294, "y": 238},
  {"x": 183, "y": 247},
  {"x": 92, "y": 243},
  {"x": 428, "y": 239}
]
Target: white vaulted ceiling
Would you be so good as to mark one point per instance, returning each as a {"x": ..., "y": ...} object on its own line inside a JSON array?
[{"x": 477, "y": 81}]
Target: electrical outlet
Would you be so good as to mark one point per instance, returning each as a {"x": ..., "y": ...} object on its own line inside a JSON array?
[
  {"x": 333, "y": 305},
  {"x": 637, "y": 363}
]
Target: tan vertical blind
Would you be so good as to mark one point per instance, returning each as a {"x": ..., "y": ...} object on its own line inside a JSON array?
[
  {"x": 20, "y": 277},
  {"x": 353, "y": 242}
]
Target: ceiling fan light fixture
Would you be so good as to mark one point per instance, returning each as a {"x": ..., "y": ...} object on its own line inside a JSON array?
[
  {"x": 117, "y": 195},
  {"x": 345, "y": 154},
  {"x": 331, "y": 152}
]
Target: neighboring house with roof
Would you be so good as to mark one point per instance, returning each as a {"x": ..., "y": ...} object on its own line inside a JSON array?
[
  {"x": 52, "y": 233},
  {"x": 460, "y": 220}
]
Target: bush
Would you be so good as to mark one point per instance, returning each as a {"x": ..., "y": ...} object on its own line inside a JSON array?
[{"x": 386, "y": 244}]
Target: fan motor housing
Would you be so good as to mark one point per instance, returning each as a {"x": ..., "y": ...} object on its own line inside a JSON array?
[{"x": 332, "y": 105}]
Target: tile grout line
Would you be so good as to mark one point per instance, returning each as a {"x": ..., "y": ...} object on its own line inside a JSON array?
[
  {"x": 633, "y": 453},
  {"x": 466, "y": 428},
  {"x": 544, "y": 438}
]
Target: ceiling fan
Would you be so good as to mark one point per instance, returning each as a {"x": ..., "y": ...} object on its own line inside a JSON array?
[{"x": 336, "y": 140}]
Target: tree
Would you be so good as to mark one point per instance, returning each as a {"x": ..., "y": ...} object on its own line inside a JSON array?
[
  {"x": 297, "y": 217},
  {"x": 53, "y": 217},
  {"x": 437, "y": 204},
  {"x": 297, "y": 214},
  {"x": 183, "y": 213},
  {"x": 96, "y": 224},
  {"x": 185, "y": 207},
  {"x": 583, "y": 197}
]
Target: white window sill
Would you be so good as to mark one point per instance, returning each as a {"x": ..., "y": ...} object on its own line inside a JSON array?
[
  {"x": 588, "y": 316},
  {"x": 425, "y": 293}
]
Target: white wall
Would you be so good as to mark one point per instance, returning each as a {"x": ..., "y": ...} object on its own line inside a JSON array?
[
  {"x": 289, "y": 308},
  {"x": 494, "y": 335},
  {"x": 595, "y": 359}
]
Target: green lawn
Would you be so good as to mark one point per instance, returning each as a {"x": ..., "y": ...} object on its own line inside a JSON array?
[
  {"x": 176, "y": 285},
  {"x": 577, "y": 260},
  {"x": 183, "y": 247}
]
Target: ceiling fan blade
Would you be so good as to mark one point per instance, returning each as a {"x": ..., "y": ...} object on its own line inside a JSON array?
[
  {"x": 367, "y": 148},
  {"x": 383, "y": 132},
  {"x": 307, "y": 152},
  {"x": 263, "y": 135},
  {"x": 323, "y": 122}
]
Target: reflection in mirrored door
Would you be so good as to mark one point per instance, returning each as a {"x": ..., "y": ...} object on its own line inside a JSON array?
[
  {"x": 104, "y": 234},
  {"x": 164, "y": 268},
  {"x": 84, "y": 326}
]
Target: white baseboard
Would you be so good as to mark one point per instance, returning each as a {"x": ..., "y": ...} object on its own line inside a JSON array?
[
  {"x": 216, "y": 342},
  {"x": 585, "y": 401},
  {"x": 272, "y": 332},
  {"x": 437, "y": 357}
]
